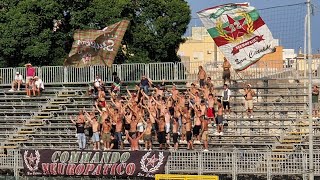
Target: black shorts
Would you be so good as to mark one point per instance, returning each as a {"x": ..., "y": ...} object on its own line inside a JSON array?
[
  {"x": 196, "y": 130},
  {"x": 175, "y": 137},
  {"x": 189, "y": 135},
  {"x": 155, "y": 127},
  {"x": 226, "y": 105},
  {"x": 202, "y": 82},
  {"x": 171, "y": 111},
  {"x": 226, "y": 74},
  {"x": 113, "y": 129},
  {"x": 162, "y": 137},
  {"x": 90, "y": 132},
  {"x": 127, "y": 127},
  {"x": 132, "y": 133}
]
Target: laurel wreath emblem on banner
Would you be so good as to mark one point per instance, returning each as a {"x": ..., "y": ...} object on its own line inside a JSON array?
[
  {"x": 151, "y": 170},
  {"x": 249, "y": 29},
  {"x": 25, "y": 158}
]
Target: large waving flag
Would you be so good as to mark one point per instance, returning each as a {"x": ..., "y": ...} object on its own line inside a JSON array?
[
  {"x": 96, "y": 47},
  {"x": 239, "y": 32}
]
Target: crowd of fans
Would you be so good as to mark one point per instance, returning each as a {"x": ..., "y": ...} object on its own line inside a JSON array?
[{"x": 156, "y": 112}]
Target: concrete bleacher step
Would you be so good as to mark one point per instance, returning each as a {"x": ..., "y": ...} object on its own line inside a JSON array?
[
  {"x": 283, "y": 148},
  {"x": 9, "y": 145},
  {"x": 17, "y": 138},
  {"x": 42, "y": 115},
  {"x": 291, "y": 141},
  {"x": 52, "y": 108},
  {"x": 60, "y": 101},
  {"x": 34, "y": 122},
  {"x": 68, "y": 93},
  {"x": 25, "y": 130},
  {"x": 298, "y": 133}
]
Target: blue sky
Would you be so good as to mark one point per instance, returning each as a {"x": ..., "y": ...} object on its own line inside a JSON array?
[{"x": 286, "y": 23}]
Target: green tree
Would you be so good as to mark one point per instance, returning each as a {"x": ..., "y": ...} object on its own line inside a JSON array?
[{"x": 26, "y": 35}]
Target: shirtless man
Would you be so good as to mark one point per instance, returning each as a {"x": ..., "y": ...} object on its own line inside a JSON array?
[
  {"x": 202, "y": 75},
  {"x": 133, "y": 126},
  {"x": 101, "y": 98},
  {"x": 152, "y": 108},
  {"x": 127, "y": 122},
  {"x": 106, "y": 134},
  {"x": 161, "y": 132},
  {"x": 197, "y": 126},
  {"x": 118, "y": 132},
  {"x": 159, "y": 91},
  {"x": 210, "y": 109},
  {"x": 189, "y": 134},
  {"x": 115, "y": 115},
  {"x": 219, "y": 118},
  {"x": 185, "y": 117},
  {"x": 204, "y": 132},
  {"x": 134, "y": 141},
  {"x": 96, "y": 131},
  {"x": 148, "y": 136},
  {"x": 205, "y": 91},
  {"x": 175, "y": 135},
  {"x": 174, "y": 93},
  {"x": 248, "y": 103},
  {"x": 226, "y": 71},
  {"x": 193, "y": 89},
  {"x": 203, "y": 107}
]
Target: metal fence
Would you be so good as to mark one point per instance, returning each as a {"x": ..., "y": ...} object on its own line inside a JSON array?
[
  {"x": 170, "y": 72},
  {"x": 230, "y": 162}
]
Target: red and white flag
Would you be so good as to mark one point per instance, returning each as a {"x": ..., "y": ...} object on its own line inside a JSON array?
[{"x": 239, "y": 32}]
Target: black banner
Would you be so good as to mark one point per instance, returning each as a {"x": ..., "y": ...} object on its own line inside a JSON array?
[{"x": 93, "y": 163}]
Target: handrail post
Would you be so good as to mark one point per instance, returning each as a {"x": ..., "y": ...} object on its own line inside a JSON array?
[{"x": 65, "y": 74}]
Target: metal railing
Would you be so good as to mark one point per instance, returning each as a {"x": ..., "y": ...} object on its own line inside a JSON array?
[
  {"x": 172, "y": 72},
  {"x": 231, "y": 162}
]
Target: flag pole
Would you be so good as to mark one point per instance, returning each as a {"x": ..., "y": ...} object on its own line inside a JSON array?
[{"x": 311, "y": 169}]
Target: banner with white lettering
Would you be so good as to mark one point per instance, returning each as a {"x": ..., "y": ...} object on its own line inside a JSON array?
[
  {"x": 239, "y": 32},
  {"x": 48, "y": 162},
  {"x": 96, "y": 47}
]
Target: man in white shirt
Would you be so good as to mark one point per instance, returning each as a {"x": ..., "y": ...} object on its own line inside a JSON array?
[
  {"x": 18, "y": 80},
  {"x": 39, "y": 85},
  {"x": 225, "y": 99}
]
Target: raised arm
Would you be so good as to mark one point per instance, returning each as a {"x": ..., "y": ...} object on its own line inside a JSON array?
[
  {"x": 72, "y": 120},
  {"x": 144, "y": 94}
]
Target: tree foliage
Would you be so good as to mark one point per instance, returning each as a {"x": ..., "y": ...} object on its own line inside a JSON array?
[{"x": 26, "y": 28}]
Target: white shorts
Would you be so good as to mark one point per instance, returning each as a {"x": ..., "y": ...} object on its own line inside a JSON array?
[
  {"x": 28, "y": 79},
  {"x": 140, "y": 127},
  {"x": 167, "y": 127}
]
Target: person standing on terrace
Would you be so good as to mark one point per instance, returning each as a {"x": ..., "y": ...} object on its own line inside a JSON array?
[
  {"x": 226, "y": 75},
  {"x": 80, "y": 125},
  {"x": 202, "y": 75},
  {"x": 145, "y": 83},
  {"x": 30, "y": 72},
  {"x": 248, "y": 103}
]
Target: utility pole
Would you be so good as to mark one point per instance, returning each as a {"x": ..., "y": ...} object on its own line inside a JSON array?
[{"x": 309, "y": 56}]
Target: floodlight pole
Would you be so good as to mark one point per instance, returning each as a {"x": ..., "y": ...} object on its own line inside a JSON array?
[{"x": 309, "y": 56}]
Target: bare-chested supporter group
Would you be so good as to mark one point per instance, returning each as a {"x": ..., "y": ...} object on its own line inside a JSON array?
[{"x": 156, "y": 114}]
